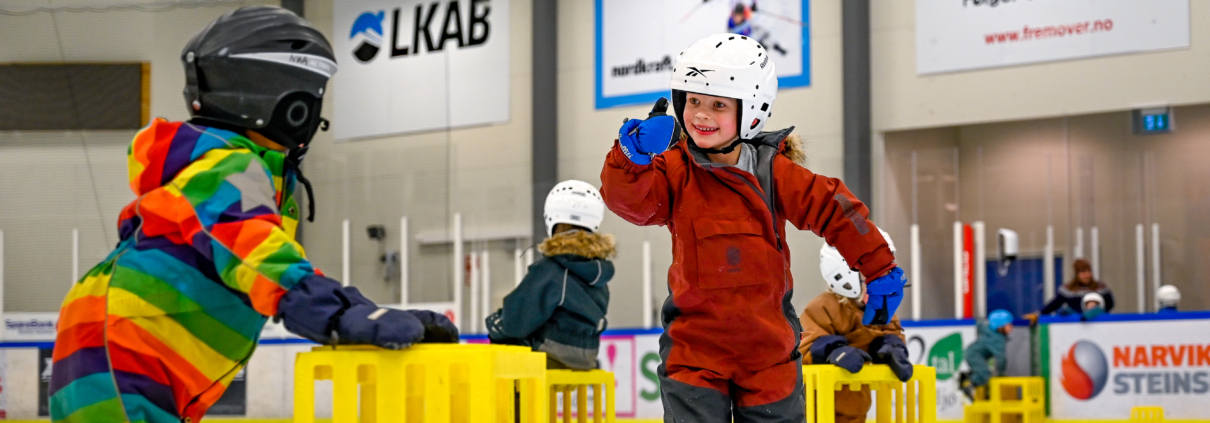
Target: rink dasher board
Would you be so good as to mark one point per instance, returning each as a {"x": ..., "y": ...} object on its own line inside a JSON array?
[{"x": 1128, "y": 361}]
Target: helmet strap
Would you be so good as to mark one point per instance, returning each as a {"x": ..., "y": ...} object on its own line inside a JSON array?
[{"x": 725, "y": 150}]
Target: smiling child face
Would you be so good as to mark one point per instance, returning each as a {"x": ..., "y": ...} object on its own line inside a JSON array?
[{"x": 710, "y": 120}]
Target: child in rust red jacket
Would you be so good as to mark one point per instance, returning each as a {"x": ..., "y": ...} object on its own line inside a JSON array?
[{"x": 725, "y": 191}]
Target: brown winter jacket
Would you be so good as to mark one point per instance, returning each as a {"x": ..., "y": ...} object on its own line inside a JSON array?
[{"x": 831, "y": 314}]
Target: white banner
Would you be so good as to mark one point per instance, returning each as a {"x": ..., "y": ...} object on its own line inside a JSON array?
[
  {"x": 953, "y": 35},
  {"x": 1101, "y": 370},
  {"x": 637, "y": 41},
  {"x": 30, "y": 326},
  {"x": 941, "y": 347},
  {"x": 411, "y": 65}
]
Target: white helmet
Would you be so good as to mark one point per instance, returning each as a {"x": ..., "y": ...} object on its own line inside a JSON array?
[
  {"x": 836, "y": 272},
  {"x": 575, "y": 203},
  {"x": 1168, "y": 296},
  {"x": 727, "y": 65},
  {"x": 1094, "y": 297}
]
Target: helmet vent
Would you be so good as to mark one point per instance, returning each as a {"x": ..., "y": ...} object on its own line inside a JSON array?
[
  {"x": 719, "y": 44},
  {"x": 297, "y": 44}
]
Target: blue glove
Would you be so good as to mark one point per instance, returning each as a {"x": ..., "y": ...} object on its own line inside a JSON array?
[
  {"x": 642, "y": 139},
  {"x": 384, "y": 327},
  {"x": 886, "y": 293},
  {"x": 848, "y": 358},
  {"x": 317, "y": 308},
  {"x": 835, "y": 349},
  {"x": 437, "y": 327},
  {"x": 890, "y": 350}
]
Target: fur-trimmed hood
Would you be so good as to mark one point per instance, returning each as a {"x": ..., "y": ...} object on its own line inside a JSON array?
[
  {"x": 792, "y": 147},
  {"x": 581, "y": 243}
]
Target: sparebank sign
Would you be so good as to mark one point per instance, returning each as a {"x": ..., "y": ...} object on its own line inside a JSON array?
[{"x": 410, "y": 66}]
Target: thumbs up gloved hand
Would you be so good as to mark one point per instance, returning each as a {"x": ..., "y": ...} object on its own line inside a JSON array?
[
  {"x": 890, "y": 350},
  {"x": 642, "y": 139},
  {"x": 835, "y": 349},
  {"x": 886, "y": 292}
]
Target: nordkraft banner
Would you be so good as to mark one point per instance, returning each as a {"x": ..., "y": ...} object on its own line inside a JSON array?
[
  {"x": 637, "y": 41},
  {"x": 955, "y": 35},
  {"x": 410, "y": 66},
  {"x": 1098, "y": 371}
]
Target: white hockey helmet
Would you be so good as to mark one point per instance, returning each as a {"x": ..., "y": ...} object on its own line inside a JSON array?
[
  {"x": 727, "y": 65},
  {"x": 575, "y": 203},
  {"x": 1168, "y": 296},
  {"x": 1093, "y": 297},
  {"x": 841, "y": 278}
]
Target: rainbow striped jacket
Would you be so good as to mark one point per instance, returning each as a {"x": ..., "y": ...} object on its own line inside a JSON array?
[{"x": 157, "y": 331}]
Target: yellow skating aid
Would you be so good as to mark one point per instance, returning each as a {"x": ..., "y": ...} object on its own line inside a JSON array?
[
  {"x": 1010, "y": 396},
  {"x": 918, "y": 406},
  {"x": 424, "y": 383},
  {"x": 577, "y": 381}
]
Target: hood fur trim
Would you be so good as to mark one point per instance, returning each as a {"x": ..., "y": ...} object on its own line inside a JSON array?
[
  {"x": 581, "y": 243},
  {"x": 794, "y": 150}
]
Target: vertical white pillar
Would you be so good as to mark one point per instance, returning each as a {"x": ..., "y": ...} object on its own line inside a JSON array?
[
  {"x": 485, "y": 277},
  {"x": 647, "y": 309},
  {"x": 75, "y": 255},
  {"x": 1, "y": 277},
  {"x": 529, "y": 257},
  {"x": 518, "y": 266},
  {"x": 458, "y": 270},
  {"x": 475, "y": 275},
  {"x": 1155, "y": 262},
  {"x": 345, "y": 267},
  {"x": 1094, "y": 248},
  {"x": 404, "y": 255},
  {"x": 1048, "y": 265},
  {"x": 958, "y": 285},
  {"x": 980, "y": 264},
  {"x": 917, "y": 283},
  {"x": 1079, "y": 248},
  {"x": 1140, "y": 255}
]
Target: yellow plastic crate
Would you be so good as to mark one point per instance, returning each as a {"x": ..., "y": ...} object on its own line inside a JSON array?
[
  {"x": 1147, "y": 414},
  {"x": 424, "y": 383},
  {"x": 577, "y": 381},
  {"x": 1028, "y": 401},
  {"x": 919, "y": 406}
]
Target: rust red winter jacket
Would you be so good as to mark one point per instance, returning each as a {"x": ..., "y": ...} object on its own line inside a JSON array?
[{"x": 730, "y": 276}]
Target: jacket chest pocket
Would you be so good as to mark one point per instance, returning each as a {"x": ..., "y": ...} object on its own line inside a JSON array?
[{"x": 731, "y": 253}]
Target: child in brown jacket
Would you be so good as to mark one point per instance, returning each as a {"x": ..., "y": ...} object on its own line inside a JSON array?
[{"x": 833, "y": 333}]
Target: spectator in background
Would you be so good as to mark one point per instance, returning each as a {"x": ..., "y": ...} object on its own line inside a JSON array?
[
  {"x": 1168, "y": 297},
  {"x": 1094, "y": 306},
  {"x": 1069, "y": 298}
]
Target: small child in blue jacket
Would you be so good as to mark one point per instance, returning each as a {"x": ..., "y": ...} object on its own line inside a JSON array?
[
  {"x": 560, "y": 306},
  {"x": 991, "y": 343}
]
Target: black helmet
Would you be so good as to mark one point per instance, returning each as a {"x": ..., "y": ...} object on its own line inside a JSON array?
[{"x": 261, "y": 68}]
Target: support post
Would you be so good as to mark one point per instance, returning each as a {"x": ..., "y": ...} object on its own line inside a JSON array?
[
  {"x": 917, "y": 282},
  {"x": 545, "y": 115},
  {"x": 855, "y": 66},
  {"x": 485, "y": 278},
  {"x": 958, "y": 285},
  {"x": 1140, "y": 255},
  {"x": 1155, "y": 263},
  {"x": 980, "y": 264},
  {"x": 345, "y": 265},
  {"x": 458, "y": 271},
  {"x": 1048, "y": 264},
  {"x": 75, "y": 255},
  {"x": 647, "y": 309},
  {"x": 404, "y": 255}
]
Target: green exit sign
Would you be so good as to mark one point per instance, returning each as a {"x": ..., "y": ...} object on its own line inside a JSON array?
[{"x": 1155, "y": 120}]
